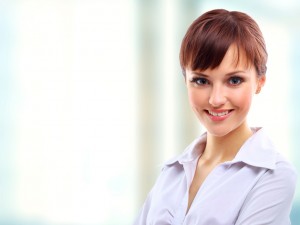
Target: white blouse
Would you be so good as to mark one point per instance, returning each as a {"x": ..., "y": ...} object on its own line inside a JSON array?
[{"x": 256, "y": 187}]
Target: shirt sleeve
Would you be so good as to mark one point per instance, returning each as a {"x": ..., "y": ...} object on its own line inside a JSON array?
[
  {"x": 270, "y": 201},
  {"x": 142, "y": 216}
]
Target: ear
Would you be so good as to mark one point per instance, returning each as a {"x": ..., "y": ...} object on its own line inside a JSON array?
[{"x": 260, "y": 83}]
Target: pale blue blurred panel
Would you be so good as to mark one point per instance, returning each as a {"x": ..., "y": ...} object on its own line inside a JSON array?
[
  {"x": 7, "y": 101},
  {"x": 295, "y": 107}
]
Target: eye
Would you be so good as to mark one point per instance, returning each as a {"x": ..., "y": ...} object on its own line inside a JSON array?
[
  {"x": 200, "y": 81},
  {"x": 235, "y": 81}
]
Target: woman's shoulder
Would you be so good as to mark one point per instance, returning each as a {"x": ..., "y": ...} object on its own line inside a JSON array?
[
  {"x": 284, "y": 168},
  {"x": 281, "y": 180}
]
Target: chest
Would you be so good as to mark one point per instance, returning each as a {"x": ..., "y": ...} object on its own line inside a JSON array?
[
  {"x": 200, "y": 175},
  {"x": 218, "y": 195}
]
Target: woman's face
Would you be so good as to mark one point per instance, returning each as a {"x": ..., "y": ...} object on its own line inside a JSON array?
[{"x": 221, "y": 97}]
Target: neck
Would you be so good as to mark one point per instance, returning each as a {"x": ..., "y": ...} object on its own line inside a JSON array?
[{"x": 221, "y": 149}]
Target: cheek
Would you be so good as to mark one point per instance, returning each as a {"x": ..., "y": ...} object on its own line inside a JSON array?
[
  {"x": 195, "y": 99},
  {"x": 244, "y": 99}
]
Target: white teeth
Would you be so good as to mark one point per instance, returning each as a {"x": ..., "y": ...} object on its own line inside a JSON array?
[{"x": 218, "y": 114}]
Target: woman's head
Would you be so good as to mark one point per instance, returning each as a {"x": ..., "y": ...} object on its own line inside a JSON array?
[{"x": 210, "y": 36}]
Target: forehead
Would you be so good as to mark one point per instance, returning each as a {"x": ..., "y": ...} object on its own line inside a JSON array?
[{"x": 235, "y": 57}]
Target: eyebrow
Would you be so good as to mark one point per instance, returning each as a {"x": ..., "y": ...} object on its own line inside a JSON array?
[{"x": 227, "y": 74}]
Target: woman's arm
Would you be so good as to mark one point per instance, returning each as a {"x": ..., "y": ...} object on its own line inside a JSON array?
[{"x": 142, "y": 217}]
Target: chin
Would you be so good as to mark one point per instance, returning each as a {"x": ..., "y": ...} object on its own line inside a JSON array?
[{"x": 218, "y": 133}]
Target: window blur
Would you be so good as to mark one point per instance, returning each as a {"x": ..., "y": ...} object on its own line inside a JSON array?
[{"x": 93, "y": 102}]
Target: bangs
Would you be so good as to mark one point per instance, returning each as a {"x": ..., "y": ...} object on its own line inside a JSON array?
[{"x": 209, "y": 49}]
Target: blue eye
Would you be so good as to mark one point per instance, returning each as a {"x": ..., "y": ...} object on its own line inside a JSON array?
[
  {"x": 200, "y": 81},
  {"x": 235, "y": 80}
]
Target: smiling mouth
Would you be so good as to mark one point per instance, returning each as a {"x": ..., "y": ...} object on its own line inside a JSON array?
[{"x": 220, "y": 114}]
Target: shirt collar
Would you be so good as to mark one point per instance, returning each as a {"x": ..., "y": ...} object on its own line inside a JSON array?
[
  {"x": 192, "y": 151},
  {"x": 257, "y": 151}
]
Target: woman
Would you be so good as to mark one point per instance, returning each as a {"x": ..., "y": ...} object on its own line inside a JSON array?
[{"x": 232, "y": 174}]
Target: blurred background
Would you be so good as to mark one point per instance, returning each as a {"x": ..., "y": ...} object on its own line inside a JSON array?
[{"x": 92, "y": 102}]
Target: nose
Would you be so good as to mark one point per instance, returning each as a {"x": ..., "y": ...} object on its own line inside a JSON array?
[{"x": 217, "y": 96}]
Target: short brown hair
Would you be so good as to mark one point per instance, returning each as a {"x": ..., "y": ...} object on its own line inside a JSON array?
[{"x": 210, "y": 35}]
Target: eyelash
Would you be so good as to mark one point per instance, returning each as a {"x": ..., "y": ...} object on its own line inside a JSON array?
[
  {"x": 196, "y": 80},
  {"x": 200, "y": 81},
  {"x": 240, "y": 80}
]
